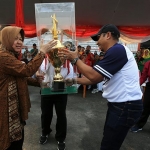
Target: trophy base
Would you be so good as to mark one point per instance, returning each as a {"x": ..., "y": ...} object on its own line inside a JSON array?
[{"x": 58, "y": 86}]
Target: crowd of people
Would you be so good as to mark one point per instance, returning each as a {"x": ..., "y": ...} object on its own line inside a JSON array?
[
  {"x": 90, "y": 59},
  {"x": 29, "y": 55},
  {"x": 119, "y": 73}
]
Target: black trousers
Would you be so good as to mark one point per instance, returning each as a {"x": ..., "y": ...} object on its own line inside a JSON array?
[
  {"x": 47, "y": 103},
  {"x": 146, "y": 107},
  {"x": 94, "y": 86},
  {"x": 17, "y": 145}
]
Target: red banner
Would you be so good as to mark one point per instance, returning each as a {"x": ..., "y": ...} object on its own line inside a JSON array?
[{"x": 81, "y": 31}]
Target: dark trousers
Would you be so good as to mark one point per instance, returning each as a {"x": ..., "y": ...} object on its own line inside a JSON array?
[
  {"x": 119, "y": 119},
  {"x": 94, "y": 86},
  {"x": 47, "y": 103},
  {"x": 146, "y": 104},
  {"x": 17, "y": 145}
]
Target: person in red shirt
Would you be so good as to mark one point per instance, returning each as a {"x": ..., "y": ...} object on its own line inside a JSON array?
[
  {"x": 146, "y": 101},
  {"x": 89, "y": 56},
  {"x": 89, "y": 59}
]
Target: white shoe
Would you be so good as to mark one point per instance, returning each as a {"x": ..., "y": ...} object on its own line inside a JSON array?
[
  {"x": 94, "y": 91},
  {"x": 89, "y": 87}
]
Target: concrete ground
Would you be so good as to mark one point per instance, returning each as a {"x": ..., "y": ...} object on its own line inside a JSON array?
[{"x": 86, "y": 118}]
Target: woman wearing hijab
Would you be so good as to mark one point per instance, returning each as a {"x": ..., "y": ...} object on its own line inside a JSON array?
[
  {"x": 14, "y": 77},
  {"x": 146, "y": 57}
]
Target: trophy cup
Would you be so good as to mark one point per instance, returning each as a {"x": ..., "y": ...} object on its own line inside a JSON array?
[
  {"x": 58, "y": 81},
  {"x": 51, "y": 18}
]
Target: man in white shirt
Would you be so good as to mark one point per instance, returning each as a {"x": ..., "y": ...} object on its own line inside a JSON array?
[
  {"x": 121, "y": 87},
  {"x": 57, "y": 100}
]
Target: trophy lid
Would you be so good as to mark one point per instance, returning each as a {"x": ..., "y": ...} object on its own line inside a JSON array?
[{"x": 55, "y": 17}]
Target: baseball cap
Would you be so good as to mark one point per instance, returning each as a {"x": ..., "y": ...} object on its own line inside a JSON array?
[{"x": 107, "y": 28}]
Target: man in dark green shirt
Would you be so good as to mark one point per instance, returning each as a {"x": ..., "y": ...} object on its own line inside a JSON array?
[{"x": 34, "y": 51}]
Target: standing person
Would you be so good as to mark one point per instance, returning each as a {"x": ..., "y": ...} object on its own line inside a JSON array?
[
  {"x": 89, "y": 56},
  {"x": 146, "y": 101},
  {"x": 121, "y": 85},
  {"x": 101, "y": 55},
  {"x": 95, "y": 86},
  {"x": 100, "y": 85},
  {"x": 79, "y": 50},
  {"x": 14, "y": 95},
  {"x": 25, "y": 53},
  {"x": 89, "y": 59},
  {"x": 95, "y": 53},
  {"x": 146, "y": 57},
  {"x": 83, "y": 50},
  {"x": 34, "y": 51},
  {"x": 28, "y": 58},
  {"x": 57, "y": 100}
]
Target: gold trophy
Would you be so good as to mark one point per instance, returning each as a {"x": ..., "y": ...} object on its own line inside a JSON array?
[{"x": 58, "y": 81}]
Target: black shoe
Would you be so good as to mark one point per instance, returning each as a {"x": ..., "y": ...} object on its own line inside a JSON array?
[
  {"x": 43, "y": 139},
  {"x": 61, "y": 146},
  {"x": 135, "y": 129}
]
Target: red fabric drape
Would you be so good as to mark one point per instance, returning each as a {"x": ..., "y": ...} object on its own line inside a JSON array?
[
  {"x": 30, "y": 30},
  {"x": 84, "y": 31},
  {"x": 81, "y": 31},
  {"x": 19, "y": 19},
  {"x": 135, "y": 30},
  {"x": 132, "y": 31}
]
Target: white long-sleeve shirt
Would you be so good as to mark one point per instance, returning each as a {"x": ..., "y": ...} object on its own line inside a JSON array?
[{"x": 49, "y": 72}]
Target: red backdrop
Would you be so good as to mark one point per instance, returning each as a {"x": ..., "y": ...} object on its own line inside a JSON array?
[{"x": 81, "y": 31}]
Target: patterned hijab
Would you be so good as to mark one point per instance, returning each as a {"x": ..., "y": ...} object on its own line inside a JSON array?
[{"x": 8, "y": 35}]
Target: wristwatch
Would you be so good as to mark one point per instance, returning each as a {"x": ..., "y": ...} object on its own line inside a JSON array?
[{"x": 74, "y": 61}]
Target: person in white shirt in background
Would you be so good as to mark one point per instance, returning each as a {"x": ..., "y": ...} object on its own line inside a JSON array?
[
  {"x": 57, "y": 100},
  {"x": 98, "y": 87}
]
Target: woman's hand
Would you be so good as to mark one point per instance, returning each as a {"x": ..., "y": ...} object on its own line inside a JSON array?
[{"x": 45, "y": 48}]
